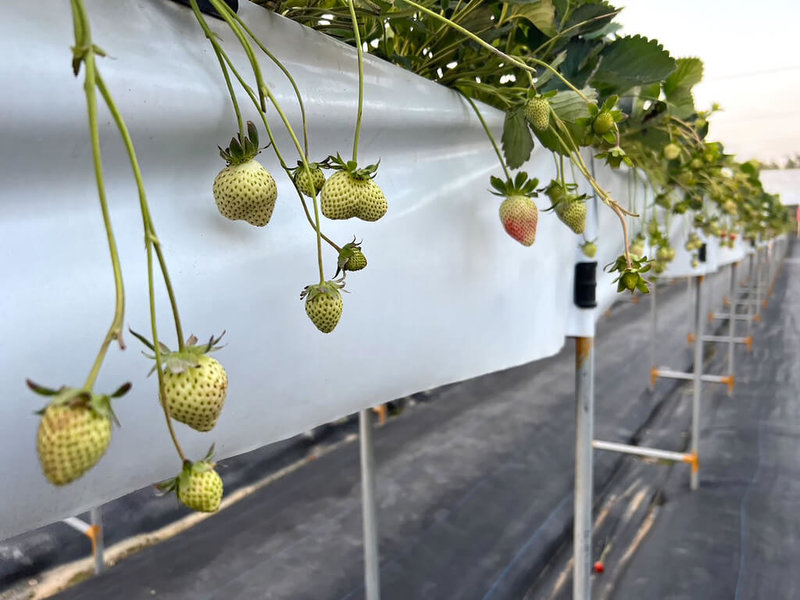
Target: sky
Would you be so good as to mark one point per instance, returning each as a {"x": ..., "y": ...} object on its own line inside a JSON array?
[{"x": 751, "y": 52}]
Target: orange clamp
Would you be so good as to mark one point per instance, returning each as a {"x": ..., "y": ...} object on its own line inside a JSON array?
[
  {"x": 764, "y": 303},
  {"x": 93, "y": 533},
  {"x": 757, "y": 318},
  {"x": 731, "y": 381},
  {"x": 690, "y": 338},
  {"x": 710, "y": 317},
  {"x": 726, "y": 301},
  {"x": 382, "y": 411},
  {"x": 749, "y": 341},
  {"x": 693, "y": 460},
  {"x": 653, "y": 376}
]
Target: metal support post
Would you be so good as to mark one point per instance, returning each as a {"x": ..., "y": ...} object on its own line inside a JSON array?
[
  {"x": 653, "y": 329},
  {"x": 698, "y": 374},
  {"x": 99, "y": 546},
  {"x": 644, "y": 451},
  {"x": 732, "y": 321},
  {"x": 751, "y": 282},
  {"x": 369, "y": 507},
  {"x": 584, "y": 434}
]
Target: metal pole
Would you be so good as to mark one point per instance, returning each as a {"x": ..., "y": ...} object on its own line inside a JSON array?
[
  {"x": 732, "y": 321},
  {"x": 653, "y": 330},
  {"x": 584, "y": 434},
  {"x": 750, "y": 286},
  {"x": 99, "y": 546},
  {"x": 698, "y": 373},
  {"x": 369, "y": 509}
]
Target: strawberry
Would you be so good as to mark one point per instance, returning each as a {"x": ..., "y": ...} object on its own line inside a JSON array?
[
  {"x": 572, "y": 213},
  {"x": 324, "y": 304},
  {"x": 568, "y": 206},
  {"x": 518, "y": 212},
  {"x": 603, "y": 123},
  {"x": 74, "y": 432},
  {"x": 195, "y": 385},
  {"x": 537, "y": 111},
  {"x": 245, "y": 190},
  {"x": 519, "y": 216},
  {"x": 351, "y": 192},
  {"x": 589, "y": 249},
  {"x": 308, "y": 185},
  {"x": 672, "y": 151},
  {"x": 351, "y": 258},
  {"x": 198, "y": 486}
]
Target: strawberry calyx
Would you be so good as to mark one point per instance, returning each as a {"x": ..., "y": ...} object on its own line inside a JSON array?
[
  {"x": 241, "y": 149},
  {"x": 80, "y": 397},
  {"x": 630, "y": 275},
  {"x": 562, "y": 193},
  {"x": 180, "y": 361},
  {"x": 189, "y": 468},
  {"x": 331, "y": 287},
  {"x": 337, "y": 163},
  {"x": 519, "y": 186}
]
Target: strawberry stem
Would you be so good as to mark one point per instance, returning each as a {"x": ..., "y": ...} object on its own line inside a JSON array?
[
  {"x": 83, "y": 43},
  {"x": 360, "y": 54},
  {"x": 285, "y": 71},
  {"x": 489, "y": 135}
]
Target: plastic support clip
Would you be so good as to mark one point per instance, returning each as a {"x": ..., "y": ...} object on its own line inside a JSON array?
[{"x": 585, "y": 284}]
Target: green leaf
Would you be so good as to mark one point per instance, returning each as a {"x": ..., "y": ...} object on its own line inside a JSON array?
[
  {"x": 517, "y": 139},
  {"x": 539, "y": 12},
  {"x": 631, "y": 61},
  {"x": 688, "y": 73}
]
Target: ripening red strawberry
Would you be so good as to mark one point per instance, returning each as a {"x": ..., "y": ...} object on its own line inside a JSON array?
[{"x": 519, "y": 216}]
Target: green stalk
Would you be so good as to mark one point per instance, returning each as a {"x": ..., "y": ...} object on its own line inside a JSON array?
[
  {"x": 285, "y": 71},
  {"x": 145, "y": 208},
  {"x": 83, "y": 43},
  {"x": 360, "y": 52},
  {"x": 489, "y": 135}
]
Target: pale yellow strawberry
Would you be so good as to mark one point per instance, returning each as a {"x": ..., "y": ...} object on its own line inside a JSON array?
[
  {"x": 195, "y": 395},
  {"x": 246, "y": 192}
]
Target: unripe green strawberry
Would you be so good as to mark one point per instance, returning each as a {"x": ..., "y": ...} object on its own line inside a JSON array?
[
  {"x": 324, "y": 305},
  {"x": 695, "y": 263},
  {"x": 589, "y": 249},
  {"x": 345, "y": 196},
  {"x": 520, "y": 216},
  {"x": 573, "y": 214},
  {"x": 195, "y": 385},
  {"x": 663, "y": 254},
  {"x": 200, "y": 487},
  {"x": 356, "y": 262},
  {"x": 730, "y": 207},
  {"x": 71, "y": 440},
  {"x": 659, "y": 266},
  {"x": 637, "y": 247},
  {"x": 74, "y": 431},
  {"x": 603, "y": 123},
  {"x": 672, "y": 151},
  {"x": 195, "y": 394},
  {"x": 696, "y": 164},
  {"x": 309, "y": 186},
  {"x": 537, "y": 111},
  {"x": 246, "y": 192}
]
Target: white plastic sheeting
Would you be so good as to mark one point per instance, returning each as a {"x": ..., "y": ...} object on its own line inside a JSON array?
[{"x": 447, "y": 294}]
